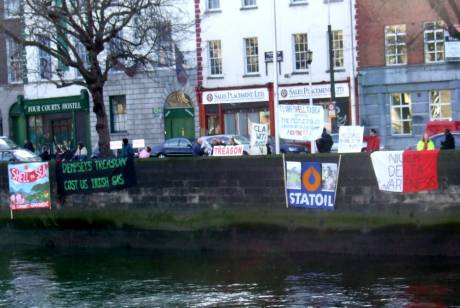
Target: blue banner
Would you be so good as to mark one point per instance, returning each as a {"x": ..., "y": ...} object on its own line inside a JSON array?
[{"x": 311, "y": 184}]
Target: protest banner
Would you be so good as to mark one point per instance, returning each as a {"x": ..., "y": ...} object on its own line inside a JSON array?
[
  {"x": 406, "y": 171},
  {"x": 300, "y": 122},
  {"x": 116, "y": 145},
  {"x": 350, "y": 139},
  {"x": 99, "y": 175},
  {"x": 311, "y": 184},
  {"x": 259, "y": 135},
  {"x": 29, "y": 186},
  {"x": 138, "y": 143},
  {"x": 228, "y": 150}
]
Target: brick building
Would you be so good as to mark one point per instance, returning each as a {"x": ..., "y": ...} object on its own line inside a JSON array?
[{"x": 408, "y": 71}]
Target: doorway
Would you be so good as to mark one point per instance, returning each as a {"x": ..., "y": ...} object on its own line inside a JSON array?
[{"x": 179, "y": 116}]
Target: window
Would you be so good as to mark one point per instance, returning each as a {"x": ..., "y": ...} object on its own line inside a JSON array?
[
  {"x": 215, "y": 57},
  {"x": 249, "y": 3},
  {"x": 434, "y": 42},
  {"x": 116, "y": 49},
  {"x": 300, "y": 51},
  {"x": 337, "y": 47},
  {"x": 252, "y": 55},
  {"x": 12, "y": 8},
  {"x": 395, "y": 45},
  {"x": 83, "y": 55},
  {"x": 213, "y": 4},
  {"x": 14, "y": 61},
  {"x": 440, "y": 105},
  {"x": 118, "y": 114},
  {"x": 44, "y": 60},
  {"x": 401, "y": 114}
]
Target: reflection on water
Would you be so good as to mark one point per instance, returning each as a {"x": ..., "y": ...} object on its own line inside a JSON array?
[{"x": 121, "y": 278}]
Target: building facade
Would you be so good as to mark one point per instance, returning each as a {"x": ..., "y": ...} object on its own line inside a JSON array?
[
  {"x": 12, "y": 59},
  {"x": 235, "y": 63},
  {"x": 152, "y": 104},
  {"x": 408, "y": 70}
]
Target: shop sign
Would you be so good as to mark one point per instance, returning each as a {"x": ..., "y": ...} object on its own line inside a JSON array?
[
  {"x": 319, "y": 91},
  {"x": 235, "y": 96},
  {"x": 452, "y": 47},
  {"x": 301, "y": 122},
  {"x": 32, "y": 108}
]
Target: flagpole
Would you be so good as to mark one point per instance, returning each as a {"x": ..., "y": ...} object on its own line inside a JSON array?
[{"x": 275, "y": 80}]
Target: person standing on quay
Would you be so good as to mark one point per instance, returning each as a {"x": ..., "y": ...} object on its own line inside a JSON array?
[
  {"x": 425, "y": 143},
  {"x": 373, "y": 141},
  {"x": 449, "y": 141},
  {"x": 126, "y": 149}
]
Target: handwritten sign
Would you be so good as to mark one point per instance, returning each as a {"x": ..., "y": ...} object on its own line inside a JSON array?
[
  {"x": 388, "y": 168},
  {"x": 139, "y": 143},
  {"x": 259, "y": 134},
  {"x": 350, "y": 139},
  {"x": 229, "y": 150},
  {"x": 301, "y": 122},
  {"x": 95, "y": 175}
]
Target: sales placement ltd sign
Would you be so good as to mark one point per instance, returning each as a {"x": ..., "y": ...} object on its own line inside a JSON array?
[{"x": 235, "y": 96}]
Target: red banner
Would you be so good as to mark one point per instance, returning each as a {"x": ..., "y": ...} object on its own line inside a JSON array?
[{"x": 420, "y": 169}]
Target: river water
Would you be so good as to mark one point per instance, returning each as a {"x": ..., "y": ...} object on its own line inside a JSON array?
[{"x": 132, "y": 278}]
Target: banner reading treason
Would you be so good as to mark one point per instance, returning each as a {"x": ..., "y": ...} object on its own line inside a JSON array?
[
  {"x": 29, "y": 186},
  {"x": 98, "y": 175}
]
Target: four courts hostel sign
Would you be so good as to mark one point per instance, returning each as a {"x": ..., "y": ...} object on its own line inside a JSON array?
[
  {"x": 235, "y": 96},
  {"x": 74, "y": 103}
]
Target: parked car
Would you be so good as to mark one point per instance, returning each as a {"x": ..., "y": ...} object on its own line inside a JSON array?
[
  {"x": 437, "y": 138},
  {"x": 11, "y": 152},
  {"x": 173, "y": 147},
  {"x": 287, "y": 146}
]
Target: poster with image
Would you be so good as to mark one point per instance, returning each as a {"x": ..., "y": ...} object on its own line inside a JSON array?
[
  {"x": 29, "y": 186},
  {"x": 311, "y": 185}
]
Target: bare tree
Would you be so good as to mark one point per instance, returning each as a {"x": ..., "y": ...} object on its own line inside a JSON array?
[
  {"x": 97, "y": 36},
  {"x": 449, "y": 12}
]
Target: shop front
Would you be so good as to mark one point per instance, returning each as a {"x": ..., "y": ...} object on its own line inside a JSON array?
[
  {"x": 321, "y": 95},
  {"x": 51, "y": 121},
  {"x": 232, "y": 111}
]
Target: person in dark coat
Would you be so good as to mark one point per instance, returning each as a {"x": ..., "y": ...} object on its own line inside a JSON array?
[
  {"x": 324, "y": 144},
  {"x": 197, "y": 149},
  {"x": 449, "y": 141},
  {"x": 29, "y": 146},
  {"x": 127, "y": 149}
]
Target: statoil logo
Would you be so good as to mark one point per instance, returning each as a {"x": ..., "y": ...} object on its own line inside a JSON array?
[{"x": 311, "y": 179}]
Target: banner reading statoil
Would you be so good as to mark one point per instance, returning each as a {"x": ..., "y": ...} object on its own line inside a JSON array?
[
  {"x": 311, "y": 184},
  {"x": 300, "y": 122},
  {"x": 29, "y": 186}
]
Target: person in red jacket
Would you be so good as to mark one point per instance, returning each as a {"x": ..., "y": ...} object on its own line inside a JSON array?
[{"x": 373, "y": 141}]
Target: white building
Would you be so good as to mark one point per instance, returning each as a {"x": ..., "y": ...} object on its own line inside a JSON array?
[{"x": 236, "y": 86}]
